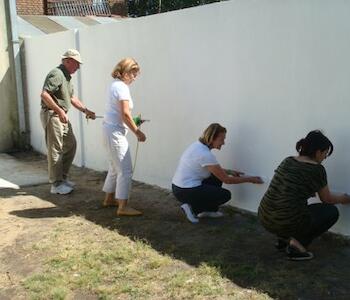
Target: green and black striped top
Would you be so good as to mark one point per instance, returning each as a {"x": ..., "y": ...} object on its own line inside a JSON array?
[{"x": 283, "y": 209}]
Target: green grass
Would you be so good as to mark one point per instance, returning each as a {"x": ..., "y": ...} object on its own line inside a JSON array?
[{"x": 82, "y": 257}]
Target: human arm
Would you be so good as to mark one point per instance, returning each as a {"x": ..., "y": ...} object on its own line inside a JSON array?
[
  {"x": 332, "y": 198},
  {"x": 128, "y": 120},
  {"x": 233, "y": 172},
  {"x": 220, "y": 173},
  {"x": 51, "y": 104},
  {"x": 81, "y": 107}
]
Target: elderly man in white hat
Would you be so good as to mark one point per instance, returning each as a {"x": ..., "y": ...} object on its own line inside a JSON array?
[{"x": 56, "y": 99}]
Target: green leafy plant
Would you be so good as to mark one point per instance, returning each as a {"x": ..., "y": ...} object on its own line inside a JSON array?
[{"x": 138, "y": 8}]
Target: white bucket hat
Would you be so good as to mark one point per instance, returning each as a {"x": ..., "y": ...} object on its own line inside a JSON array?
[{"x": 74, "y": 54}]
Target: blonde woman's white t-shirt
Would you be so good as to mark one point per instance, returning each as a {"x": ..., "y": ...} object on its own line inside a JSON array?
[
  {"x": 192, "y": 170},
  {"x": 118, "y": 91}
]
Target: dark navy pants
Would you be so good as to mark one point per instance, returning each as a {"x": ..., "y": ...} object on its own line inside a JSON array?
[{"x": 206, "y": 197}]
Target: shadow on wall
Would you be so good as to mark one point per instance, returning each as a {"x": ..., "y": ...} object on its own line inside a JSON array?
[
  {"x": 9, "y": 131},
  {"x": 236, "y": 245},
  {"x": 25, "y": 136},
  {"x": 8, "y": 101}
]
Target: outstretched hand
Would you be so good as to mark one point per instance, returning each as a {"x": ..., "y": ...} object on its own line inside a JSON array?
[
  {"x": 256, "y": 180},
  {"x": 89, "y": 114}
]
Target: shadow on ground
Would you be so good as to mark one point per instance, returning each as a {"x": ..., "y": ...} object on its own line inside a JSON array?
[{"x": 236, "y": 245}]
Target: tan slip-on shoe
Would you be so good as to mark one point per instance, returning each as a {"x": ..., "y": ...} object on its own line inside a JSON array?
[{"x": 128, "y": 211}]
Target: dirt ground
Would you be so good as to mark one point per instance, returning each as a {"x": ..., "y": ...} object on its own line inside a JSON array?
[{"x": 236, "y": 244}]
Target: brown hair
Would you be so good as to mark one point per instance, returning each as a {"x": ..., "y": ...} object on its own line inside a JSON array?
[
  {"x": 211, "y": 133},
  {"x": 125, "y": 66}
]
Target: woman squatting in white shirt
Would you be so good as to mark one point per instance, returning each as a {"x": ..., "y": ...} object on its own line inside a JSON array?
[{"x": 198, "y": 178}]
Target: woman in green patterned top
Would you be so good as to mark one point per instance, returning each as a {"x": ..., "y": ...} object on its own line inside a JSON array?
[{"x": 284, "y": 210}]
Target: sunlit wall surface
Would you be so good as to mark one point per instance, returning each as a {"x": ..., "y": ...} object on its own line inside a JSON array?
[{"x": 269, "y": 71}]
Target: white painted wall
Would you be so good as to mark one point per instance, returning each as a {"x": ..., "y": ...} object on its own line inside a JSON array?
[{"x": 268, "y": 70}]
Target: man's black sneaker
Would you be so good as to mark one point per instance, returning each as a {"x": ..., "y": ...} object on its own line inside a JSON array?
[{"x": 294, "y": 253}]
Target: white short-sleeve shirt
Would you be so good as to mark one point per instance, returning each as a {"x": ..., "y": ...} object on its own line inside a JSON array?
[
  {"x": 191, "y": 170},
  {"x": 118, "y": 91}
]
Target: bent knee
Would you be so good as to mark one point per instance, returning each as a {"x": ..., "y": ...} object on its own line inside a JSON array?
[
  {"x": 334, "y": 212},
  {"x": 331, "y": 212},
  {"x": 226, "y": 194}
]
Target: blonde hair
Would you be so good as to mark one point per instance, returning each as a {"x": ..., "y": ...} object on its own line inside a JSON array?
[
  {"x": 211, "y": 133},
  {"x": 125, "y": 66}
]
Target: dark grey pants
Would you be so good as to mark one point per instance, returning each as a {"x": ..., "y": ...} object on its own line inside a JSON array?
[{"x": 323, "y": 217}]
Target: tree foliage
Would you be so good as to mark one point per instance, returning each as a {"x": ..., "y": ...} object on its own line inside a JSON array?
[{"x": 137, "y": 8}]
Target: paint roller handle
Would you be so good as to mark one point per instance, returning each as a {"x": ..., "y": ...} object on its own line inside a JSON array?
[{"x": 139, "y": 121}]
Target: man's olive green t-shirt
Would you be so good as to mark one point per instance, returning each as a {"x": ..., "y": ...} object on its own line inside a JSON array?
[
  {"x": 283, "y": 209},
  {"x": 58, "y": 85}
]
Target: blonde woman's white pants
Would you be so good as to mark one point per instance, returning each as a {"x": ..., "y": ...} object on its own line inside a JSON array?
[{"x": 119, "y": 175}]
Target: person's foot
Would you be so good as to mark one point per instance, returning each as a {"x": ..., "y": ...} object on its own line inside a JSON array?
[
  {"x": 128, "y": 211},
  {"x": 210, "y": 214},
  {"x": 61, "y": 189},
  {"x": 296, "y": 244},
  {"x": 294, "y": 253},
  {"x": 187, "y": 209},
  {"x": 69, "y": 183},
  {"x": 109, "y": 202},
  {"x": 281, "y": 244}
]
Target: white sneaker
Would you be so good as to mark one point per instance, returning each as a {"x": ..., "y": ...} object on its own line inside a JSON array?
[
  {"x": 187, "y": 209},
  {"x": 61, "y": 189},
  {"x": 69, "y": 183},
  {"x": 210, "y": 214}
]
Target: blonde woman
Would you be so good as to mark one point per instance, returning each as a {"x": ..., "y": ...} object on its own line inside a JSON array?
[
  {"x": 198, "y": 178},
  {"x": 117, "y": 122}
]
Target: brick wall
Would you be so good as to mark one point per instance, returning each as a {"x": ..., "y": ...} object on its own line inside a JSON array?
[
  {"x": 30, "y": 7},
  {"x": 38, "y": 7}
]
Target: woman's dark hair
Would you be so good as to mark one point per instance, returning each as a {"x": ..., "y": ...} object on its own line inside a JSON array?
[{"x": 315, "y": 140}]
